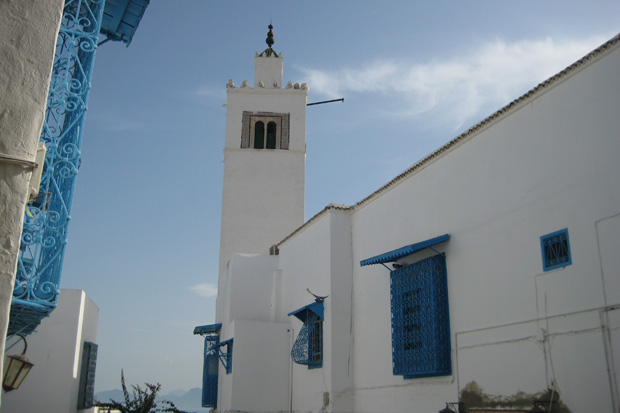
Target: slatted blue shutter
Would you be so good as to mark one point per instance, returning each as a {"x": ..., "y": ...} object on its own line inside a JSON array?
[
  {"x": 420, "y": 319},
  {"x": 210, "y": 372},
  {"x": 86, "y": 390}
]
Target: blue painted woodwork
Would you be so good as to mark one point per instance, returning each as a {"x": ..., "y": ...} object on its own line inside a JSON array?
[
  {"x": 226, "y": 355},
  {"x": 555, "y": 249},
  {"x": 208, "y": 329},
  {"x": 308, "y": 346},
  {"x": 420, "y": 319},
  {"x": 302, "y": 313},
  {"x": 46, "y": 221},
  {"x": 211, "y": 333},
  {"x": 210, "y": 372},
  {"x": 86, "y": 392},
  {"x": 394, "y": 255},
  {"x": 121, "y": 19}
]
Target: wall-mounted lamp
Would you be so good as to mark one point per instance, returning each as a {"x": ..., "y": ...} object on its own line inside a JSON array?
[{"x": 16, "y": 367}]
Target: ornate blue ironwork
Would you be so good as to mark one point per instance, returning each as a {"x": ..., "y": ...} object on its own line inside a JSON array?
[
  {"x": 47, "y": 218},
  {"x": 308, "y": 346},
  {"x": 420, "y": 319},
  {"x": 555, "y": 250}
]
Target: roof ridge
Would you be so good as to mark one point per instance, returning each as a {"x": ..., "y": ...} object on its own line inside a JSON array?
[
  {"x": 469, "y": 132},
  {"x": 338, "y": 207},
  {"x": 502, "y": 111}
]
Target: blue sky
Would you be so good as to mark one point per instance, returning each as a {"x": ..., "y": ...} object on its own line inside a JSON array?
[{"x": 144, "y": 236}]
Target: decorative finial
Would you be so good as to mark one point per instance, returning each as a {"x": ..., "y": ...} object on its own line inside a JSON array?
[{"x": 270, "y": 41}]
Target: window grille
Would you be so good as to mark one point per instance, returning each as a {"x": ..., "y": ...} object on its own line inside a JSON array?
[
  {"x": 555, "y": 248},
  {"x": 420, "y": 319},
  {"x": 308, "y": 346}
]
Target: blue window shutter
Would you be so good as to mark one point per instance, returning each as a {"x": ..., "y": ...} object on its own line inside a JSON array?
[
  {"x": 420, "y": 319},
  {"x": 555, "y": 249},
  {"x": 210, "y": 372},
  {"x": 86, "y": 390}
]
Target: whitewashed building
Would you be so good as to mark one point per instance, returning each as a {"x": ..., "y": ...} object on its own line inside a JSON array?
[
  {"x": 64, "y": 353},
  {"x": 488, "y": 273}
]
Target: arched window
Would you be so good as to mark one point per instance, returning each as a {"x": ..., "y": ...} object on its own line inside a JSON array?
[
  {"x": 271, "y": 135},
  {"x": 262, "y": 130},
  {"x": 259, "y": 135}
]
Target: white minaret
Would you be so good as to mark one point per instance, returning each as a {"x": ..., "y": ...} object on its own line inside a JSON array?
[{"x": 264, "y": 160}]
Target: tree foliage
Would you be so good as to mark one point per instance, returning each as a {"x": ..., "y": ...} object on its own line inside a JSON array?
[{"x": 142, "y": 400}]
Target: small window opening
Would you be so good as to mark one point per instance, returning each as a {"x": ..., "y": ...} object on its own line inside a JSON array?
[
  {"x": 555, "y": 248},
  {"x": 259, "y": 135},
  {"x": 271, "y": 135}
]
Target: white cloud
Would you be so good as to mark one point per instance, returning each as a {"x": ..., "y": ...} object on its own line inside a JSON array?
[
  {"x": 458, "y": 88},
  {"x": 205, "y": 290}
]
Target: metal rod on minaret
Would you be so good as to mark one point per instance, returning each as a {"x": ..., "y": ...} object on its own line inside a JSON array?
[{"x": 326, "y": 101}]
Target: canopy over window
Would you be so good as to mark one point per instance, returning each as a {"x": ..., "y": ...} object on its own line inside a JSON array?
[
  {"x": 208, "y": 329},
  {"x": 302, "y": 313},
  {"x": 396, "y": 254},
  {"x": 121, "y": 18}
]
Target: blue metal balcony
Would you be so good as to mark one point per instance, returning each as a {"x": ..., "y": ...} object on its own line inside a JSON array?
[{"x": 46, "y": 221}]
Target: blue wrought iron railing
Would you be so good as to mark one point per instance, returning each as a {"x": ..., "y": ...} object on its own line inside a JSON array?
[{"x": 47, "y": 218}]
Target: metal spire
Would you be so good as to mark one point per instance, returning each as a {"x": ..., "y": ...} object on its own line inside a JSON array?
[{"x": 270, "y": 40}]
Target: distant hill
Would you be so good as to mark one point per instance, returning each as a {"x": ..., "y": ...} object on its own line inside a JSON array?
[
  {"x": 106, "y": 396},
  {"x": 189, "y": 401}
]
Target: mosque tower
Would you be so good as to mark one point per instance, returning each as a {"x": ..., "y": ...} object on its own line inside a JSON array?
[{"x": 264, "y": 159}]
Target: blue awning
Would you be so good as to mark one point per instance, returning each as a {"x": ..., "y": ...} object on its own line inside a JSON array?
[
  {"x": 208, "y": 329},
  {"x": 394, "y": 255},
  {"x": 121, "y": 18},
  {"x": 302, "y": 313}
]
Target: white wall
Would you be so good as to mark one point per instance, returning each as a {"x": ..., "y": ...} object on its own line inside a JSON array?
[
  {"x": 547, "y": 165},
  {"x": 55, "y": 349},
  {"x": 28, "y": 29},
  {"x": 252, "y": 315},
  {"x": 319, "y": 259},
  {"x": 269, "y": 70},
  {"x": 248, "y": 289},
  {"x": 261, "y": 365}
]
